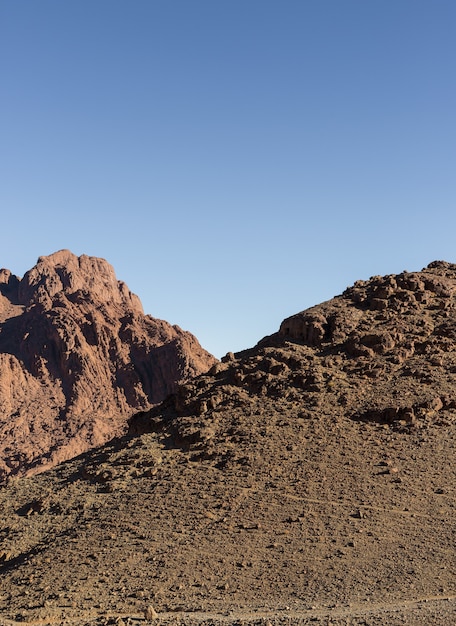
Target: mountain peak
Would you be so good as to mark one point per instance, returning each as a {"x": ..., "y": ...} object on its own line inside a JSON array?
[
  {"x": 77, "y": 358},
  {"x": 66, "y": 274}
]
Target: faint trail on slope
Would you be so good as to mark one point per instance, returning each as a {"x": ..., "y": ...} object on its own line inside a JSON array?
[{"x": 401, "y": 609}]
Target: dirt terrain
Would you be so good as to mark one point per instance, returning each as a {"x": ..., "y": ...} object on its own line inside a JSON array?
[
  {"x": 309, "y": 480},
  {"x": 77, "y": 358}
]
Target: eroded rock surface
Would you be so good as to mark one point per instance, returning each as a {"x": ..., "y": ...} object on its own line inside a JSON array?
[{"x": 77, "y": 358}]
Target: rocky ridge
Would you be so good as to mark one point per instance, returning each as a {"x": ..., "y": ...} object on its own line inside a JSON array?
[
  {"x": 384, "y": 351},
  {"x": 77, "y": 358}
]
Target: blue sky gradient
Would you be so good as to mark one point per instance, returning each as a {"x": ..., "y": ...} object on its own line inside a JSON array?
[{"x": 235, "y": 161}]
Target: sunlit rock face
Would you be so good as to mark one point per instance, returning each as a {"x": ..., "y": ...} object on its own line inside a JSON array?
[{"x": 77, "y": 358}]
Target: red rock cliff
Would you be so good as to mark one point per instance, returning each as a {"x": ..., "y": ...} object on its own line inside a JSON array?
[{"x": 77, "y": 358}]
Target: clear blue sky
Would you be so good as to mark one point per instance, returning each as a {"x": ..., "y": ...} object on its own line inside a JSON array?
[{"x": 236, "y": 161}]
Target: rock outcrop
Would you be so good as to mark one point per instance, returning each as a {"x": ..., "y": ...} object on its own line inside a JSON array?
[{"x": 77, "y": 358}]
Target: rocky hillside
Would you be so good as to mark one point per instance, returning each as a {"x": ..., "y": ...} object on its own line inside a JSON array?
[
  {"x": 384, "y": 351},
  {"x": 308, "y": 480},
  {"x": 77, "y": 358}
]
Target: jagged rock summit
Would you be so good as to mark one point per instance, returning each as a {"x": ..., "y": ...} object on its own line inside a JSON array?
[{"x": 77, "y": 358}]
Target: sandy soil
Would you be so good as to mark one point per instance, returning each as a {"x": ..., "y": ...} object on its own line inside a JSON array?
[{"x": 345, "y": 525}]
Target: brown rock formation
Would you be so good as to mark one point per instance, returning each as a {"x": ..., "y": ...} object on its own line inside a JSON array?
[{"x": 77, "y": 358}]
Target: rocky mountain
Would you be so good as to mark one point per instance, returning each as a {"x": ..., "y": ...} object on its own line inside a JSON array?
[
  {"x": 384, "y": 351},
  {"x": 308, "y": 480},
  {"x": 77, "y": 358}
]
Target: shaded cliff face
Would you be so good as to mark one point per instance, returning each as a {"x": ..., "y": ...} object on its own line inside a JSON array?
[{"x": 77, "y": 358}]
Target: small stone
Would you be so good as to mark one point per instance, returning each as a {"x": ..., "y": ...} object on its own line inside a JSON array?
[{"x": 150, "y": 613}]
